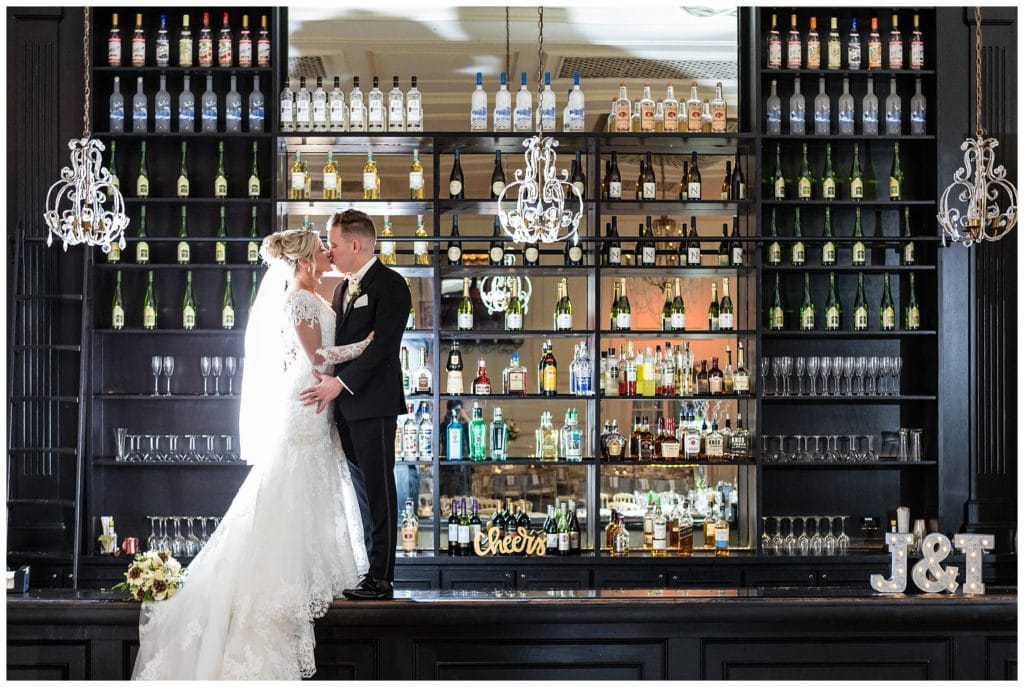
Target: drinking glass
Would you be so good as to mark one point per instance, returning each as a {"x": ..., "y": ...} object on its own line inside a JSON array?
[
  {"x": 193, "y": 455},
  {"x": 812, "y": 373},
  {"x": 779, "y": 455},
  {"x": 848, "y": 363},
  {"x": 916, "y": 445},
  {"x": 203, "y": 536},
  {"x": 152, "y": 454},
  {"x": 842, "y": 541},
  {"x": 156, "y": 364},
  {"x": 787, "y": 367},
  {"x": 855, "y": 453},
  {"x": 134, "y": 452},
  {"x": 151, "y": 541},
  {"x": 168, "y": 367},
  {"x": 164, "y": 542},
  {"x": 869, "y": 454},
  {"x": 830, "y": 540},
  {"x": 801, "y": 364},
  {"x": 211, "y": 453},
  {"x": 765, "y": 366},
  {"x": 216, "y": 366},
  {"x": 837, "y": 372},
  {"x": 860, "y": 365},
  {"x": 204, "y": 369},
  {"x": 831, "y": 448},
  {"x": 817, "y": 541},
  {"x": 803, "y": 542},
  {"x": 802, "y": 455},
  {"x": 173, "y": 454},
  {"x": 897, "y": 367},
  {"x": 192, "y": 544},
  {"x": 777, "y": 540},
  {"x": 885, "y": 369},
  {"x": 873, "y": 375},
  {"x": 178, "y": 544},
  {"x": 229, "y": 455},
  {"x": 229, "y": 370},
  {"x": 765, "y": 537},
  {"x": 790, "y": 540},
  {"x": 817, "y": 456},
  {"x": 826, "y": 368},
  {"x": 777, "y": 371}
]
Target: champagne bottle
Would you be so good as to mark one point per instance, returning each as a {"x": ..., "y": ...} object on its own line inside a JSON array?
[
  {"x": 142, "y": 246},
  {"x": 726, "y": 318},
  {"x": 907, "y": 251},
  {"x": 896, "y": 175},
  {"x": 693, "y": 245},
  {"x": 220, "y": 182},
  {"x": 666, "y": 309},
  {"x": 189, "y": 309},
  {"x": 693, "y": 186},
  {"x": 613, "y": 315},
  {"x": 531, "y": 254},
  {"x": 514, "y": 311},
  {"x": 496, "y": 252},
  {"x": 577, "y": 178},
  {"x": 142, "y": 182},
  {"x": 738, "y": 184},
  {"x": 829, "y": 180},
  {"x": 613, "y": 249},
  {"x": 828, "y": 248},
  {"x": 779, "y": 179},
  {"x": 220, "y": 248},
  {"x": 252, "y": 248},
  {"x": 563, "y": 308},
  {"x": 860, "y": 306},
  {"x": 912, "y": 311},
  {"x": 332, "y": 184},
  {"x": 714, "y": 314},
  {"x": 420, "y": 248},
  {"x": 371, "y": 180},
  {"x": 184, "y": 252},
  {"x": 183, "y": 184},
  {"x": 298, "y": 189},
  {"x": 227, "y": 312},
  {"x": 253, "y": 287},
  {"x": 774, "y": 248},
  {"x": 859, "y": 256},
  {"x": 806, "y": 181},
  {"x": 115, "y": 180},
  {"x": 735, "y": 246},
  {"x": 623, "y": 315},
  {"x": 465, "y": 313},
  {"x": 456, "y": 180},
  {"x": 416, "y": 190},
  {"x": 887, "y": 309},
  {"x": 678, "y": 317},
  {"x": 776, "y": 313},
  {"x": 807, "y": 306},
  {"x": 856, "y": 176},
  {"x": 117, "y": 310},
  {"x": 833, "y": 306},
  {"x": 454, "y": 245},
  {"x": 254, "y": 175},
  {"x": 149, "y": 306},
  {"x": 798, "y": 252}
]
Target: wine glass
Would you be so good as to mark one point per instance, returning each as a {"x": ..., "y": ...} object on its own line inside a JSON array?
[
  {"x": 885, "y": 369},
  {"x": 837, "y": 372},
  {"x": 229, "y": 370},
  {"x": 229, "y": 455},
  {"x": 204, "y": 368},
  {"x": 803, "y": 542},
  {"x": 860, "y": 365},
  {"x": 765, "y": 537},
  {"x": 777, "y": 371},
  {"x": 787, "y": 367},
  {"x": 873, "y": 375},
  {"x": 817, "y": 541},
  {"x": 216, "y": 366},
  {"x": 192, "y": 544},
  {"x": 765, "y": 366},
  {"x": 211, "y": 453},
  {"x": 831, "y": 448},
  {"x": 168, "y": 367},
  {"x": 173, "y": 454},
  {"x": 817, "y": 456},
  {"x": 812, "y": 373},
  {"x": 156, "y": 364},
  {"x": 801, "y": 364},
  {"x": 178, "y": 544},
  {"x": 826, "y": 369},
  {"x": 897, "y": 367},
  {"x": 842, "y": 541},
  {"x": 790, "y": 540},
  {"x": 777, "y": 540},
  {"x": 848, "y": 362},
  {"x": 151, "y": 541},
  {"x": 869, "y": 455},
  {"x": 203, "y": 536},
  {"x": 163, "y": 542},
  {"x": 134, "y": 452}
]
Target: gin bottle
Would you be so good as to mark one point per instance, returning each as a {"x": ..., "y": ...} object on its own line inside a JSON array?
[
  {"x": 503, "y": 107},
  {"x": 413, "y": 108},
  {"x": 140, "y": 113},
  {"x": 477, "y": 434},
  {"x": 893, "y": 111},
  {"x": 499, "y": 436},
  {"x": 336, "y": 107},
  {"x": 773, "y": 108},
  {"x": 524, "y": 107},
  {"x": 396, "y": 107},
  {"x": 302, "y": 107},
  {"x": 918, "y": 111},
  {"x": 822, "y": 111},
  {"x": 797, "y": 110},
  {"x": 846, "y": 113},
  {"x": 117, "y": 108},
  {"x": 375, "y": 107},
  {"x": 356, "y": 109},
  {"x": 869, "y": 109},
  {"x": 233, "y": 108},
  {"x": 425, "y": 435},
  {"x": 478, "y": 106},
  {"x": 287, "y": 108},
  {"x": 577, "y": 105},
  {"x": 257, "y": 112},
  {"x": 209, "y": 107},
  {"x": 319, "y": 106}
]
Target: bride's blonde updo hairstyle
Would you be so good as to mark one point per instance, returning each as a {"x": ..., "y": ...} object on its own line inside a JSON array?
[{"x": 289, "y": 246}]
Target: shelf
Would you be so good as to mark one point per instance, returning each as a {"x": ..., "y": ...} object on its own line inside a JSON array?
[
  {"x": 850, "y": 203},
  {"x": 170, "y": 332},
  {"x": 691, "y": 397},
  {"x": 163, "y": 397},
  {"x": 849, "y": 72},
  {"x": 417, "y": 271},
  {"x": 183, "y": 70},
  {"x": 144, "y": 135},
  {"x": 132, "y": 200},
  {"x": 110, "y": 462},
  {"x": 843, "y": 334},
  {"x": 671, "y": 272},
  {"x": 56, "y": 348},
  {"x": 374, "y": 208},
  {"x": 832, "y": 138},
  {"x": 454, "y": 271},
  {"x": 508, "y": 397},
  {"x": 501, "y": 335},
  {"x": 840, "y": 240},
  {"x": 159, "y": 266},
  {"x": 195, "y": 239},
  {"x": 846, "y": 400},
  {"x": 699, "y": 208},
  {"x": 689, "y": 334},
  {"x": 513, "y": 461},
  {"x": 849, "y": 269},
  {"x": 63, "y": 503},
  {"x": 879, "y": 465},
  {"x": 678, "y": 463}
]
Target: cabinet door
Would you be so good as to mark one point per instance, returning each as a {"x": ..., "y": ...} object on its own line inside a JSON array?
[
  {"x": 850, "y": 575},
  {"x": 569, "y": 578},
  {"x": 782, "y": 576},
  {"x": 416, "y": 577},
  {"x": 477, "y": 578},
  {"x": 705, "y": 577},
  {"x": 638, "y": 577}
]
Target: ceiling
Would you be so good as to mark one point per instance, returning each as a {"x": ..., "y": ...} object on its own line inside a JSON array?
[{"x": 444, "y": 47}]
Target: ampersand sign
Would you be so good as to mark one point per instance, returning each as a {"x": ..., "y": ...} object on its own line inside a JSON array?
[{"x": 928, "y": 574}]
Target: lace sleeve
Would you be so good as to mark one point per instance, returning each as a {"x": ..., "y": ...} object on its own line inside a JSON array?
[
  {"x": 302, "y": 306},
  {"x": 341, "y": 354}
]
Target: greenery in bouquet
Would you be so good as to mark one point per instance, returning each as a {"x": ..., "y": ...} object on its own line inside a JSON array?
[{"x": 152, "y": 576}]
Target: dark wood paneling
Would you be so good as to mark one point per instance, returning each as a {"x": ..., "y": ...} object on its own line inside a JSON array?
[
  {"x": 1002, "y": 659},
  {"x": 478, "y": 579},
  {"x": 705, "y": 576},
  {"x": 338, "y": 659},
  {"x": 783, "y": 576},
  {"x": 569, "y": 578},
  {"x": 48, "y": 661},
  {"x": 417, "y": 577},
  {"x": 629, "y": 578}
]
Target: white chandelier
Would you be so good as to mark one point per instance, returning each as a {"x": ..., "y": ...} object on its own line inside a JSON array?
[
  {"x": 979, "y": 183},
  {"x": 75, "y": 205},
  {"x": 496, "y": 293},
  {"x": 540, "y": 214}
]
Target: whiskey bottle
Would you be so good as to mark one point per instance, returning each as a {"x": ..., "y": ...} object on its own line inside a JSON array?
[
  {"x": 721, "y": 534},
  {"x": 703, "y": 379},
  {"x": 410, "y": 529},
  {"x": 547, "y": 376},
  {"x": 685, "y": 527},
  {"x": 741, "y": 377},
  {"x": 715, "y": 378},
  {"x": 659, "y": 532},
  {"x": 666, "y": 444}
]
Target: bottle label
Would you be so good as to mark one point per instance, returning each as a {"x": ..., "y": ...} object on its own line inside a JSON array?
[
  {"x": 454, "y": 253},
  {"x": 693, "y": 117},
  {"x": 828, "y": 253},
  {"x": 916, "y": 55},
  {"x": 777, "y": 318},
  {"x": 578, "y": 186},
  {"x": 369, "y": 181},
  {"x": 722, "y": 536},
  {"x": 481, "y": 389},
  {"x": 828, "y": 189},
  {"x": 774, "y": 53},
  {"x": 813, "y": 55},
  {"x": 355, "y": 114},
  {"x": 330, "y": 180},
  {"x": 376, "y": 111},
  {"x": 516, "y": 382},
  {"x": 114, "y": 52},
  {"x": 550, "y": 378},
  {"x": 337, "y": 111},
  {"x": 418, "y": 248},
  {"x": 227, "y": 317},
  {"x": 692, "y": 443},
  {"x": 409, "y": 538},
  {"x": 799, "y": 253},
  {"x": 853, "y": 55},
  {"x": 832, "y": 318},
  {"x": 671, "y": 114},
  {"x": 286, "y": 111},
  {"x": 614, "y": 255},
  {"x": 302, "y": 110},
  {"x": 693, "y": 191},
  {"x": 220, "y": 253},
  {"x": 859, "y": 254},
  {"x": 714, "y": 387},
  {"x": 860, "y": 318},
  {"x": 415, "y": 181},
  {"x": 142, "y": 252},
  {"x": 774, "y": 254},
  {"x": 465, "y": 320},
  {"x": 725, "y": 321},
  {"x": 835, "y": 54},
  {"x": 115, "y": 253},
  {"x": 913, "y": 317},
  {"x": 693, "y": 255},
  {"x": 245, "y": 52},
  {"x": 857, "y": 189},
  {"x": 908, "y": 254},
  {"x": 423, "y": 383},
  {"x": 737, "y": 256},
  {"x": 454, "y": 385},
  {"x": 615, "y": 190},
  {"x": 142, "y": 187},
  {"x": 794, "y": 55},
  {"x": 426, "y": 440},
  {"x": 649, "y": 254},
  {"x": 117, "y": 317},
  {"x": 513, "y": 321},
  {"x": 139, "y": 52},
  {"x": 888, "y": 318},
  {"x": 224, "y": 57},
  {"x": 455, "y": 188},
  {"x": 649, "y": 191},
  {"x": 807, "y": 319},
  {"x": 149, "y": 317},
  {"x": 874, "y": 54},
  {"x": 254, "y": 186},
  {"x": 803, "y": 188},
  {"x": 660, "y": 535},
  {"x": 678, "y": 321},
  {"x": 184, "y": 253},
  {"x": 647, "y": 117},
  {"x": 496, "y": 254},
  {"x": 669, "y": 449},
  {"x": 780, "y": 189},
  {"x": 623, "y": 321},
  {"x": 319, "y": 112},
  {"x": 188, "y": 317},
  {"x": 718, "y": 118},
  {"x": 220, "y": 187},
  {"x": 894, "y": 188},
  {"x": 396, "y": 113},
  {"x": 741, "y": 381},
  {"x": 563, "y": 321},
  {"x": 896, "y": 54}
]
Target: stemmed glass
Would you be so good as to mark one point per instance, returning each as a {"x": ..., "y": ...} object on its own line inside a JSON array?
[
  {"x": 886, "y": 370},
  {"x": 193, "y": 455},
  {"x": 848, "y": 373},
  {"x": 153, "y": 539},
  {"x": 860, "y": 365},
  {"x": 830, "y": 540},
  {"x": 817, "y": 456},
  {"x": 803, "y": 542},
  {"x": 779, "y": 454},
  {"x": 787, "y": 367},
  {"x": 229, "y": 370},
  {"x": 832, "y": 448},
  {"x": 842, "y": 541},
  {"x": 817, "y": 541},
  {"x": 156, "y": 364},
  {"x": 211, "y": 454},
  {"x": 790, "y": 540},
  {"x": 134, "y": 454},
  {"x": 801, "y": 364},
  {"x": 812, "y": 373},
  {"x": 873, "y": 375},
  {"x": 870, "y": 455},
  {"x": 153, "y": 454},
  {"x": 173, "y": 454},
  {"x": 192, "y": 544},
  {"x": 765, "y": 537},
  {"x": 826, "y": 368},
  {"x": 203, "y": 536},
  {"x": 204, "y": 369},
  {"x": 168, "y": 371},
  {"x": 178, "y": 545},
  {"x": 777, "y": 540},
  {"x": 837, "y": 372},
  {"x": 777, "y": 371},
  {"x": 217, "y": 366},
  {"x": 229, "y": 455},
  {"x": 897, "y": 367},
  {"x": 163, "y": 542},
  {"x": 765, "y": 366}
]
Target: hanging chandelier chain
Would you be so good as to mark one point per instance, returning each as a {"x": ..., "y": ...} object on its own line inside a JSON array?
[
  {"x": 86, "y": 36},
  {"x": 508, "y": 52},
  {"x": 540, "y": 49},
  {"x": 979, "y": 129}
]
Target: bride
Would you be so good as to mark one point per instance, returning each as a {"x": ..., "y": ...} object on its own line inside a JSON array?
[{"x": 292, "y": 539}]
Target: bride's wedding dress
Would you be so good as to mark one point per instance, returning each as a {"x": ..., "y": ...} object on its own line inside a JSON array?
[{"x": 291, "y": 541}]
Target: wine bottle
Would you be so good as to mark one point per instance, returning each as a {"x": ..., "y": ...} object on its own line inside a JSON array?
[
  {"x": 726, "y": 318},
  {"x": 117, "y": 310},
  {"x": 684, "y": 181},
  {"x": 896, "y": 175},
  {"x": 332, "y": 184},
  {"x": 856, "y": 176},
  {"x": 714, "y": 313},
  {"x": 693, "y": 245},
  {"x": 860, "y": 306},
  {"x": 497, "y": 176},
  {"x": 183, "y": 183},
  {"x": 563, "y": 308},
  {"x": 416, "y": 190},
  {"x": 774, "y": 248},
  {"x": 496, "y": 252},
  {"x": 184, "y": 252},
  {"x": 189, "y": 309},
  {"x": 887, "y": 309},
  {"x": 371, "y": 180},
  {"x": 738, "y": 184},
  {"x": 149, "y": 305},
  {"x": 573, "y": 251},
  {"x": 798, "y": 252},
  {"x": 779, "y": 179},
  {"x": 828, "y": 248},
  {"x": 252, "y": 248},
  {"x": 227, "y": 312},
  {"x": 388, "y": 251},
  {"x": 142, "y": 246},
  {"x": 726, "y": 187},
  {"x": 220, "y": 248},
  {"x": 741, "y": 377},
  {"x": 907, "y": 251},
  {"x": 420, "y": 247},
  {"x": 253, "y": 287},
  {"x": 220, "y": 182},
  {"x": 454, "y": 245},
  {"x": 859, "y": 253},
  {"x": 833, "y": 306},
  {"x": 577, "y": 177},
  {"x": 613, "y": 249},
  {"x": 254, "y": 175},
  {"x": 648, "y": 249},
  {"x": 142, "y": 182},
  {"x": 514, "y": 311},
  {"x": 456, "y": 179},
  {"x": 776, "y": 313},
  {"x": 805, "y": 181},
  {"x": 614, "y": 179},
  {"x": 912, "y": 311},
  {"x": 623, "y": 315},
  {"x": 807, "y": 306},
  {"x": 666, "y": 309},
  {"x": 115, "y": 180},
  {"x": 693, "y": 187},
  {"x": 465, "y": 313},
  {"x": 677, "y": 321},
  {"x": 298, "y": 188},
  {"x": 829, "y": 180},
  {"x": 735, "y": 246},
  {"x": 650, "y": 183}
]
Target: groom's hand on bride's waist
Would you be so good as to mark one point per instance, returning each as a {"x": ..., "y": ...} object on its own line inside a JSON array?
[{"x": 326, "y": 389}]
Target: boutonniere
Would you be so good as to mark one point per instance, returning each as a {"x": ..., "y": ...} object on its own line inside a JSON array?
[{"x": 353, "y": 292}]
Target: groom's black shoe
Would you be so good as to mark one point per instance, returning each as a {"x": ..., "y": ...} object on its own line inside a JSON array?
[{"x": 371, "y": 588}]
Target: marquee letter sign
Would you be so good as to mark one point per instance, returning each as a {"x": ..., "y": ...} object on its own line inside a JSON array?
[{"x": 928, "y": 573}]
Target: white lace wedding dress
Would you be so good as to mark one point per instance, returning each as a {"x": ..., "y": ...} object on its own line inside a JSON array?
[{"x": 290, "y": 542}]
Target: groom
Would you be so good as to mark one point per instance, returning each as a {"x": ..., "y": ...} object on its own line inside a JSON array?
[{"x": 368, "y": 389}]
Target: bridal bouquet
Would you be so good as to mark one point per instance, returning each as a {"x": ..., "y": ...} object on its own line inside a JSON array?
[{"x": 152, "y": 576}]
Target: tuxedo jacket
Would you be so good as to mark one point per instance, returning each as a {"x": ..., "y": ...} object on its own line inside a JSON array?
[{"x": 374, "y": 379}]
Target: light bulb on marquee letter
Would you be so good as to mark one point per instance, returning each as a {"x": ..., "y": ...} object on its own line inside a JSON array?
[
  {"x": 935, "y": 548},
  {"x": 897, "y": 584},
  {"x": 974, "y": 546}
]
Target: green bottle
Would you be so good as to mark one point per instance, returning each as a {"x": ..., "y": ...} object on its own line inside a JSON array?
[
  {"x": 714, "y": 312},
  {"x": 726, "y": 316},
  {"x": 142, "y": 247},
  {"x": 115, "y": 180},
  {"x": 779, "y": 179},
  {"x": 774, "y": 248},
  {"x": 833, "y": 306},
  {"x": 114, "y": 254},
  {"x": 563, "y": 308},
  {"x": 253, "y": 288},
  {"x": 477, "y": 434},
  {"x": 252, "y": 249},
  {"x": 220, "y": 250},
  {"x": 149, "y": 306},
  {"x": 514, "y": 311},
  {"x": 142, "y": 182},
  {"x": 183, "y": 184},
  {"x": 856, "y": 176},
  {"x": 887, "y": 310},
  {"x": 907, "y": 251},
  {"x": 678, "y": 310},
  {"x": 184, "y": 252},
  {"x": 806, "y": 180},
  {"x": 828, "y": 249},
  {"x": 188, "y": 305},
  {"x": 860, "y": 307},
  {"x": 117, "y": 311},
  {"x": 254, "y": 175},
  {"x": 666, "y": 309},
  {"x": 220, "y": 182},
  {"x": 829, "y": 180},
  {"x": 912, "y": 311},
  {"x": 776, "y": 314},
  {"x": 798, "y": 253},
  {"x": 807, "y": 306},
  {"x": 227, "y": 313},
  {"x": 896, "y": 175},
  {"x": 613, "y": 315},
  {"x": 624, "y": 315},
  {"x": 465, "y": 313},
  {"x": 859, "y": 253}
]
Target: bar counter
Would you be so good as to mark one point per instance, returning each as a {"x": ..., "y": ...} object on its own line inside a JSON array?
[{"x": 627, "y": 634}]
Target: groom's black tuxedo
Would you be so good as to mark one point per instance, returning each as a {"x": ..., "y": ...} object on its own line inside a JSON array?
[{"x": 367, "y": 411}]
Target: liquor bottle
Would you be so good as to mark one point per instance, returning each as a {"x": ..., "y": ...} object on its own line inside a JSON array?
[
  {"x": 563, "y": 308},
  {"x": 622, "y": 110},
  {"x": 425, "y": 435},
  {"x": 413, "y": 107},
  {"x": 773, "y": 112},
  {"x": 503, "y": 106},
  {"x": 776, "y": 313},
  {"x": 420, "y": 247},
  {"x": 513, "y": 378},
  {"x": 853, "y": 52},
  {"x": 835, "y": 49},
  {"x": 576, "y": 105},
  {"x": 140, "y": 109},
  {"x": 577, "y": 178},
  {"x": 287, "y": 108},
  {"x": 798, "y": 252},
  {"x": 497, "y": 176},
  {"x": 726, "y": 318},
  {"x": 896, "y": 175},
  {"x": 860, "y": 306},
  {"x": 693, "y": 187},
  {"x": 869, "y": 110},
  {"x": 208, "y": 107},
  {"x": 514, "y": 311},
  {"x": 117, "y": 108},
  {"x": 912, "y": 311},
  {"x": 453, "y": 452},
  {"x": 336, "y": 110},
  {"x": 478, "y": 106},
  {"x": 453, "y": 367},
  {"x": 149, "y": 304},
  {"x": 859, "y": 252},
  {"x": 719, "y": 111},
  {"x": 716, "y": 378},
  {"x": 206, "y": 42},
  {"x": 714, "y": 317},
  {"x": 114, "y": 43},
  {"x": 410, "y": 529},
  {"x": 303, "y": 107},
  {"x": 189, "y": 309},
  {"x": 396, "y": 107},
  {"x": 523, "y": 119},
  {"x": 874, "y": 46},
  {"x": 183, "y": 251},
  {"x": 893, "y": 111},
  {"x": 245, "y": 43},
  {"x": 813, "y": 46},
  {"x": 371, "y": 180},
  {"x": 856, "y": 176},
  {"x": 622, "y": 318},
  {"x": 496, "y": 251},
  {"x": 319, "y": 104},
  {"x": 774, "y": 46},
  {"x": 778, "y": 179},
  {"x": 376, "y": 119},
  {"x": 807, "y": 306},
  {"x": 142, "y": 246},
  {"x": 646, "y": 375},
  {"x": 547, "y": 377},
  {"x": 822, "y": 111},
  {"x": 797, "y": 110},
  {"x": 403, "y": 363},
  {"x": 691, "y": 438},
  {"x": 257, "y": 115},
  {"x": 388, "y": 251},
  {"x": 918, "y": 111},
  {"x": 424, "y": 376},
  {"x": 794, "y": 49},
  {"x": 694, "y": 110},
  {"x": 477, "y": 434},
  {"x": 916, "y": 46},
  {"x": 330, "y": 176},
  {"x": 410, "y": 322},
  {"x": 499, "y": 438},
  {"x": 887, "y": 309},
  {"x": 907, "y": 250},
  {"x": 647, "y": 185},
  {"x": 220, "y": 248},
  {"x": 846, "y": 113},
  {"x": 546, "y": 106},
  {"x": 410, "y": 437},
  {"x": 225, "y": 55},
  {"x": 456, "y": 179},
  {"x": 138, "y": 43},
  {"x": 356, "y": 108},
  {"x": 233, "y": 108},
  {"x": 162, "y": 108},
  {"x": 547, "y": 444},
  {"x": 721, "y": 534},
  {"x": 454, "y": 245},
  {"x": 740, "y": 376},
  {"x": 693, "y": 252},
  {"x": 465, "y": 313},
  {"x": 227, "y": 311},
  {"x": 647, "y": 109}
]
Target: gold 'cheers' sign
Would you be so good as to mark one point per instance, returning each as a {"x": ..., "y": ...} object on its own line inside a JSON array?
[{"x": 491, "y": 544}]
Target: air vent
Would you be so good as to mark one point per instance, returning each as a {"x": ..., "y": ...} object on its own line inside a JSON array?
[
  {"x": 309, "y": 67},
  {"x": 638, "y": 69}
]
